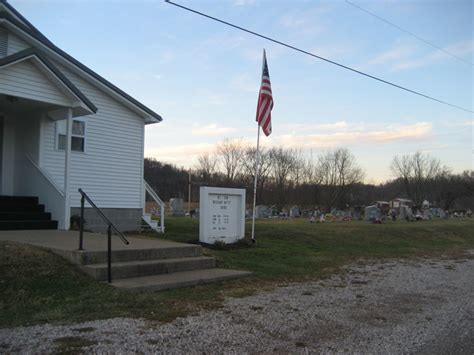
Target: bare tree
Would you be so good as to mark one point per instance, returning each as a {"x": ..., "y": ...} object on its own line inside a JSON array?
[
  {"x": 230, "y": 154},
  {"x": 206, "y": 166},
  {"x": 283, "y": 163},
  {"x": 248, "y": 168},
  {"x": 298, "y": 171},
  {"x": 416, "y": 172},
  {"x": 338, "y": 172}
]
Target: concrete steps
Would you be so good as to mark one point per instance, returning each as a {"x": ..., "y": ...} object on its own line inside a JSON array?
[
  {"x": 28, "y": 224},
  {"x": 179, "y": 279},
  {"x": 87, "y": 257},
  {"x": 24, "y": 213},
  {"x": 122, "y": 270},
  {"x": 150, "y": 223},
  {"x": 171, "y": 265}
]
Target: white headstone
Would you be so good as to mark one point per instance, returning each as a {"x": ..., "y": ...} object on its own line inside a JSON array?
[
  {"x": 222, "y": 215},
  {"x": 176, "y": 205},
  {"x": 294, "y": 212},
  {"x": 262, "y": 211},
  {"x": 372, "y": 213}
]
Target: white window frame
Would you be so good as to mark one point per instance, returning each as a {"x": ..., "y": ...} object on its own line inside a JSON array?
[{"x": 57, "y": 133}]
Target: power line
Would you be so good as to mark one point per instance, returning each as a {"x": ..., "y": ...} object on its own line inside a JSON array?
[
  {"x": 316, "y": 56},
  {"x": 409, "y": 33}
]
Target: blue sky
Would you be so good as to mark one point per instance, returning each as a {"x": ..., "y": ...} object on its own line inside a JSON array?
[{"x": 203, "y": 77}]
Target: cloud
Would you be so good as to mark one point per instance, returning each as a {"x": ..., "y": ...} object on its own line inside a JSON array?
[
  {"x": 344, "y": 135},
  {"x": 394, "y": 54},
  {"x": 327, "y": 126},
  {"x": 459, "y": 49},
  {"x": 185, "y": 154},
  {"x": 458, "y": 123},
  {"x": 167, "y": 57},
  {"x": 294, "y": 20},
  {"x": 244, "y": 2},
  {"x": 405, "y": 57},
  {"x": 388, "y": 134},
  {"x": 335, "y": 125},
  {"x": 299, "y": 22},
  {"x": 211, "y": 130}
]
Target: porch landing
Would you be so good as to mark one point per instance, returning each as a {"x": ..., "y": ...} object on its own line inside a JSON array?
[
  {"x": 143, "y": 264},
  {"x": 69, "y": 240}
]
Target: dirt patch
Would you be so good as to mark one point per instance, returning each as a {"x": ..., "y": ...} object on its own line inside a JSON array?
[{"x": 71, "y": 345}]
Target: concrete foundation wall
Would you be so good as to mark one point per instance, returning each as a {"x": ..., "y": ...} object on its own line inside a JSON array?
[{"x": 125, "y": 219}]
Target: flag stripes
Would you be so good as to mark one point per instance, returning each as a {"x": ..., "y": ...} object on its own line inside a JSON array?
[{"x": 265, "y": 100}]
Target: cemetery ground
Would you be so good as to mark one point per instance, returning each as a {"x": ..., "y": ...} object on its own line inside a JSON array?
[{"x": 39, "y": 287}]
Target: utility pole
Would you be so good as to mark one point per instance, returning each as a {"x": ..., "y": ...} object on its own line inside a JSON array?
[{"x": 189, "y": 193}]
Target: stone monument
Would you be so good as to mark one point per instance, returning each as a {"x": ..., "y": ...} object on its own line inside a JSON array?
[
  {"x": 295, "y": 212},
  {"x": 177, "y": 206},
  {"x": 262, "y": 211},
  {"x": 372, "y": 213},
  {"x": 222, "y": 215}
]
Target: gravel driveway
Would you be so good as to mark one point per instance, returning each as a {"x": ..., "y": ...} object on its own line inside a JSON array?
[{"x": 414, "y": 306}]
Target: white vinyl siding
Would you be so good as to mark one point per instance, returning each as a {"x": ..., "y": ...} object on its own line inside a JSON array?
[
  {"x": 3, "y": 41},
  {"x": 110, "y": 171},
  {"x": 15, "y": 44},
  {"x": 25, "y": 80}
]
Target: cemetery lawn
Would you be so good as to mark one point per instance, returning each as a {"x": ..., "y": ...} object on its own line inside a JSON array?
[
  {"x": 40, "y": 287},
  {"x": 294, "y": 250}
]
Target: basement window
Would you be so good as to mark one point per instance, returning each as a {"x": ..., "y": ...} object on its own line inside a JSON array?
[{"x": 78, "y": 136}]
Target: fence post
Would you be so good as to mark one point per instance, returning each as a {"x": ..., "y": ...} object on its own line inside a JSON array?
[{"x": 81, "y": 227}]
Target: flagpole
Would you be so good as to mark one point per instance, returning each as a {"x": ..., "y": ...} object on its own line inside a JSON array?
[
  {"x": 255, "y": 182},
  {"x": 257, "y": 158}
]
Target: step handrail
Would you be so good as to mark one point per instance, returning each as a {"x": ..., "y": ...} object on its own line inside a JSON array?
[
  {"x": 45, "y": 174},
  {"x": 153, "y": 194},
  {"x": 110, "y": 226},
  {"x": 159, "y": 201}
]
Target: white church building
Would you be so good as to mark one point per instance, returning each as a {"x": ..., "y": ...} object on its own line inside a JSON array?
[{"x": 64, "y": 127}]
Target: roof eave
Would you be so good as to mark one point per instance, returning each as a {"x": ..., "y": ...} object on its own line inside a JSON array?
[
  {"x": 147, "y": 113},
  {"x": 35, "y": 53}
]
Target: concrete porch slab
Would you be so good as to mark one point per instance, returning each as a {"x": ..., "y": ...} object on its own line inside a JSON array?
[
  {"x": 66, "y": 243},
  {"x": 69, "y": 240}
]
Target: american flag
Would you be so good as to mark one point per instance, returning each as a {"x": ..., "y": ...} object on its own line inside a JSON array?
[{"x": 265, "y": 100}]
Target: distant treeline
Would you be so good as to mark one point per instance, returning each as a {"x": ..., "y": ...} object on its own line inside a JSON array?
[{"x": 330, "y": 180}]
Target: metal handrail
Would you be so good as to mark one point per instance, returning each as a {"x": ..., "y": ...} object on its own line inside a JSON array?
[
  {"x": 110, "y": 226},
  {"x": 101, "y": 214}
]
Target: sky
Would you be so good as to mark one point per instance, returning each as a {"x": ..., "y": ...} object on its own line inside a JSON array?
[{"x": 203, "y": 77}]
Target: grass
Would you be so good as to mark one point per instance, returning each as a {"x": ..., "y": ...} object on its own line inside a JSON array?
[
  {"x": 296, "y": 249},
  {"x": 71, "y": 345},
  {"x": 38, "y": 286}
]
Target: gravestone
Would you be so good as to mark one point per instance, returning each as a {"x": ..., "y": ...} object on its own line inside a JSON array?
[
  {"x": 372, "y": 213},
  {"x": 262, "y": 211},
  {"x": 442, "y": 213},
  {"x": 176, "y": 205},
  {"x": 222, "y": 215},
  {"x": 403, "y": 212},
  {"x": 294, "y": 212}
]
